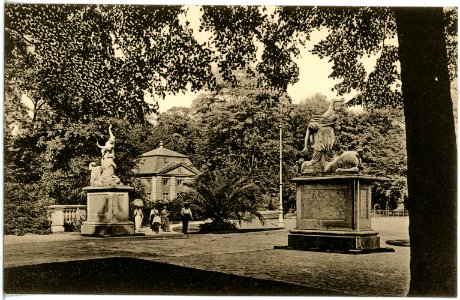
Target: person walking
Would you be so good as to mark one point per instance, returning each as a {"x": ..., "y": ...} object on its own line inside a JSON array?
[
  {"x": 186, "y": 216},
  {"x": 164, "y": 214},
  {"x": 138, "y": 218},
  {"x": 155, "y": 220}
]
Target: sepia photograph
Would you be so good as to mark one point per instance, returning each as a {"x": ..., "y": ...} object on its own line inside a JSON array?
[{"x": 194, "y": 149}]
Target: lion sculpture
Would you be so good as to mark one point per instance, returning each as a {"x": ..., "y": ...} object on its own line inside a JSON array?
[{"x": 348, "y": 161}]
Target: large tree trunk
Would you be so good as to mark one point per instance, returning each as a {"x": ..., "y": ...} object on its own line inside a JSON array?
[{"x": 431, "y": 152}]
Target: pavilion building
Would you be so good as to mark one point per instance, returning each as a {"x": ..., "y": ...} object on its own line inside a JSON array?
[{"x": 164, "y": 173}]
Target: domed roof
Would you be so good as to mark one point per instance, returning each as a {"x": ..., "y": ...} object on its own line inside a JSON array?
[
  {"x": 162, "y": 160},
  {"x": 162, "y": 151}
]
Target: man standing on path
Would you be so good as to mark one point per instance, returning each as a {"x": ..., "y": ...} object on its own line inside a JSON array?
[{"x": 186, "y": 216}]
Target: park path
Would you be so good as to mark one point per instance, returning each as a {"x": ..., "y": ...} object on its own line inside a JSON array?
[{"x": 249, "y": 254}]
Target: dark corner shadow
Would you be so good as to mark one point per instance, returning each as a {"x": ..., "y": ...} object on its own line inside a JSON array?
[{"x": 130, "y": 276}]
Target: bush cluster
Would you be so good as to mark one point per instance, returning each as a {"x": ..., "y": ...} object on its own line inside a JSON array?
[
  {"x": 218, "y": 227},
  {"x": 24, "y": 210}
]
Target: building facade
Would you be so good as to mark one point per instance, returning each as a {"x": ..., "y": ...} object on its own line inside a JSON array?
[{"x": 164, "y": 173}]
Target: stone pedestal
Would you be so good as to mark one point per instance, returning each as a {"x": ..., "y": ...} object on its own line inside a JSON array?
[
  {"x": 107, "y": 211},
  {"x": 334, "y": 213},
  {"x": 57, "y": 218}
]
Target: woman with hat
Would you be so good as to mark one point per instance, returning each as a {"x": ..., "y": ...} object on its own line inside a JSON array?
[
  {"x": 186, "y": 216},
  {"x": 164, "y": 214},
  {"x": 138, "y": 217}
]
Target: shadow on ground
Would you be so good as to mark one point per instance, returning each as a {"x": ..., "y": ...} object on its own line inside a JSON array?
[
  {"x": 402, "y": 243},
  {"x": 129, "y": 276}
]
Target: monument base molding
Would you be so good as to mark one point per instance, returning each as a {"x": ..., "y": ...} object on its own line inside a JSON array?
[
  {"x": 333, "y": 240},
  {"x": 101, "y": 229}
]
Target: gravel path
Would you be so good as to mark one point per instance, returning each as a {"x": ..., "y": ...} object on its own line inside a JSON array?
[{"x": 249, "y": 254}]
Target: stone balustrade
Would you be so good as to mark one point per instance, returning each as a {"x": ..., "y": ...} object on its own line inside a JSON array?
[
  {"x": 389, "y": 213},
  {"x": 61, "y": 214}
]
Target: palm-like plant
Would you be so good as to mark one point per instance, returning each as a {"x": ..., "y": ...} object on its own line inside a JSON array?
[{"x": 223, "y": 196}]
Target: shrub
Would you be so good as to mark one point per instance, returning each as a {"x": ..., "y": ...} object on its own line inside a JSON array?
[
  {"x": 73, "y": 226},
  {"x": 25, "y": 209},
  {"x": 388, "y": 194},
  {"x": 218, "y": 227}
]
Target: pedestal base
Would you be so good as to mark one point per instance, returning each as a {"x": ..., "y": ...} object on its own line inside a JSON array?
[
  {"x": 334, "y": 213},
  {"x": 107, "y": 229},
  {"x": 108, "y": 211},
  {"x": 333, "y": 240}
]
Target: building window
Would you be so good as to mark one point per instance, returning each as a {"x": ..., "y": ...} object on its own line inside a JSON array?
[
  {"x": 165, "y": 181},
  {"x": 166, "y": 196},
  {"x": 180, "y": 182}
]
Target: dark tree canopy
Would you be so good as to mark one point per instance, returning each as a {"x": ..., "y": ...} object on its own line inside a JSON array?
[
  {"x": 103, "y": 60},
  {"x": 87, "y": 61}
]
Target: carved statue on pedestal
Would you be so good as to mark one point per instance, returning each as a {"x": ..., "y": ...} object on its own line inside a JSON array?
[{"x": 104, "y": 175}]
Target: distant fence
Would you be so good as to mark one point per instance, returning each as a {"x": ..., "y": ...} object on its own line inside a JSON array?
[{"x": 389, "y": 213}]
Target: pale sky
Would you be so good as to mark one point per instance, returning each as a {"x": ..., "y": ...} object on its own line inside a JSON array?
[
  {"x": 313, "y": 78},
  {"x": 313, "y": 71}
]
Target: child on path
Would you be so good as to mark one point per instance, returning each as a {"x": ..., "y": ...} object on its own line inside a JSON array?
[{"x": 155, "y": 219}]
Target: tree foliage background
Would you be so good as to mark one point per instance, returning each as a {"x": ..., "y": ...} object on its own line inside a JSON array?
[
  {"x": 70, "y": 70},
  {"x": 83, "y": 67}
]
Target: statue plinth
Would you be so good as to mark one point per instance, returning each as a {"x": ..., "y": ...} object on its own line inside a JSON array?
[
  {"x": 334, "y": 213},
  {"x": 107, "y": 211}
]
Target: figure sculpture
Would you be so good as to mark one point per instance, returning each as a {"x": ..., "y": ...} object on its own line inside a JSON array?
[
  {"x": 109, "y": 146},
  {"x": 104, "y": 174},
  {"x": 108, "y": 167},
  {"x": 320, "y": 131},
  {"x": 95, "y": 174},
  {"x": 321, "y": 138}
]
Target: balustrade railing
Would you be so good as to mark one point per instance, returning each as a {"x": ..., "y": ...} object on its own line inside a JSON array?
[
  {"x": 389, "y": 213},
  {"x": 66, "y": 214}
]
